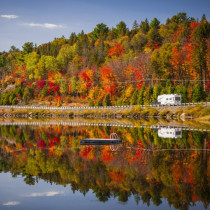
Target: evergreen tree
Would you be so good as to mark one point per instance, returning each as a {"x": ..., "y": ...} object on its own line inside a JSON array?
[
  {"x": 156, "y": 91},
  {"x": 99, "y": 103},
  {"x": 155, "y": 23},
  {"x": 141, "y": 95},
  {"x": 203, "y": 19},
  {"x": 28, "y": 47},
  {"x": 26, "y": 95},
  {"x": 100, "y": 30},
  {"x": 154, "y": 36},
  {"x": 72, "y": 38},
  {"x": 182, "y": 90},
  {"x": 107, "y": 100},
  {"x": 134, "y": 97},
  {"x": 198, "y": 93},
  {"x": 121, "y": 29},
  {"x": 144, "y": 26},
  {"x": 148, "y": 95},
  {"x": 135, "y": 25}
]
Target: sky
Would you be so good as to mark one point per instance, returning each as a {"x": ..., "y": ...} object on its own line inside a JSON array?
[{"x": 40, "y": 21}]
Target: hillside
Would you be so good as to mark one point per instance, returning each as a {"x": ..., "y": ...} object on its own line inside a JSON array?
[{"x": 114, "y": 66}]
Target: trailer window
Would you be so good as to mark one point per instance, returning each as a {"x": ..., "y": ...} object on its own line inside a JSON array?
[
  {"x": 177, "y": 98},
  {"x": 178, "y": 133}
]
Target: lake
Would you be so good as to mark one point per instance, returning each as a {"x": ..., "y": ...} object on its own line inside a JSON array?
[{"x": 48, "y": 167}]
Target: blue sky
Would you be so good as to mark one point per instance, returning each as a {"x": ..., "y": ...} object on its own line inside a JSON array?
[{"x": 40, "y": 21}]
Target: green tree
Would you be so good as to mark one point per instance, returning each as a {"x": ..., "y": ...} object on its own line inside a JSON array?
[
  {"x": 107, "y": 100},
  {"x": 198, "y": 93},
  {"x": 13, "y": 49},
  {"x": 31, "y": 61},
  {"x": 3, "y": 60},
  {"x": 121, "y": 29},
  {"x": 99, "y": 103},
  {"x": 28, "y": 47},
  {"x": 135, "y": 25},
  {"x": 200, "y": 45},
  {"x": 140, "y": 100},
  {"x": 182, "y": 90},
  {"x": 154, "y": 36},
  {"x": 139, "y": 41},
  {"x": 148, "y": 95},
  {"x": 26, "y": 95},
  {"x": 144, "y": 26},
  {"x": 134, "y": 97},
  {"x": 160, "y": 61},
  {"x": 65, "y": 56},
  {"x": 156, "y": 91},
  {"x": 72, "y": 38},
  {"x": 100, "y": 30},
  {"x": 155, "y": 23}
]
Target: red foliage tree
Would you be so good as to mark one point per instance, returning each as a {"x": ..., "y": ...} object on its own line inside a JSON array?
[
  {"x": 117, "y": 50},
  {"x": 108, "y": 80}
]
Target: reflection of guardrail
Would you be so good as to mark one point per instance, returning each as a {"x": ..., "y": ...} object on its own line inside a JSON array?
[
  {"x": 66, "y": 108},
  {"x": 77, "y": 123}
]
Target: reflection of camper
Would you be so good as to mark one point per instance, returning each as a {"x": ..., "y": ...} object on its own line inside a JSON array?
[
  {"x": 170, "y": 132},
  {"x": 169, "y": 99}
]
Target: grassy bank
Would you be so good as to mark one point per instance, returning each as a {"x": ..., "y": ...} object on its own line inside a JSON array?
[{"x": 197, "y": 112}]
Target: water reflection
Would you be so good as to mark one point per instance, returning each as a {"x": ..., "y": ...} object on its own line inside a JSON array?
[
  {"x": 145, "y": 166},
  {"x": 170, "y": 132}
]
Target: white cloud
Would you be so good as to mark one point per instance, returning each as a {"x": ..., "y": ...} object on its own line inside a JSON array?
[
  {"x": 9, "y": 16},
  {"x": 11, "y": 203},
  {"x": 45, "y": 194},
  {"x": 44, "y": 25}
]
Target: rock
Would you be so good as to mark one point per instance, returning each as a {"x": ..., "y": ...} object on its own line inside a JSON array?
[{"x": 183, "y": 116}]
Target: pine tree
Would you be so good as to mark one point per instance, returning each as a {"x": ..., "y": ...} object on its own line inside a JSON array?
[
  {"x": 135, "y": 25},
  {"x": 182, "y": 90},
  {"x": 107, "y": 100},
  {"x": 99, "y": 103},
  {"x": 198, "y": 93},
  {"x": 141, "y": 96},
  {"x": 148, "y": 95},
  {"x": 134, "y": 97},
  {"x": 156, "y": 91},
  {"x": 144, "y": 26}
]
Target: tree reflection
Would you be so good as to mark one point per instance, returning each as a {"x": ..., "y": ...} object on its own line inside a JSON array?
[{"x": 145, "y": 166}]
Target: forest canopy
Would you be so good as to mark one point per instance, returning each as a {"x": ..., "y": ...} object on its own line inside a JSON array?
[{"x": 116, "y": 64}]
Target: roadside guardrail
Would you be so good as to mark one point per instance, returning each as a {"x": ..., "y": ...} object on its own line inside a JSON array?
[{"x": 97, "y": 107}]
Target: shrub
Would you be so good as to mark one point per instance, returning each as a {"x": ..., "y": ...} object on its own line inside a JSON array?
[
  {"x": 91, "y": 103},
  {"x": 99, "y": 103},
  {"x": 14, "y": 101}
]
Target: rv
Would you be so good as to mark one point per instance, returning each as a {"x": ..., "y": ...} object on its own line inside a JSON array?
[
  {"x": 170, "y": 132},
  {"x": 169, "y": 99}
]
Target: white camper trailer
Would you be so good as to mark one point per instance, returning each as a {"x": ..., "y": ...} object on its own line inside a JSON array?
[
  {"x": 169, "y": 99},
  {"x": 170, "y": 132}
]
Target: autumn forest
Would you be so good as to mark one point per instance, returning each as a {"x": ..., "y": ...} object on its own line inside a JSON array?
[
  {"x": 112, "y": 66},
  {"x": 145, "y": 166}
]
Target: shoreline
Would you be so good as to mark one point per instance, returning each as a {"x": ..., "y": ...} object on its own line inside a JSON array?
[{"x": 197, "y": 113}]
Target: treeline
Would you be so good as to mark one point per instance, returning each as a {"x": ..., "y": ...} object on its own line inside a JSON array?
[{"x": 112, "y": 65}]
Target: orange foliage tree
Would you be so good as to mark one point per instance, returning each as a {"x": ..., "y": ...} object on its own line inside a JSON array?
[
  {"x": 108, "y": 80},
  {"x": 117, "y": 51}
]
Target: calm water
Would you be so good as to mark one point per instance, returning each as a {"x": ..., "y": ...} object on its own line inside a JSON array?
[{"x": 45, "y": 167}]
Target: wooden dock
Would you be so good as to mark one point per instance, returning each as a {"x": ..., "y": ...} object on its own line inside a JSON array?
[{"x": 100, "y": 141}]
